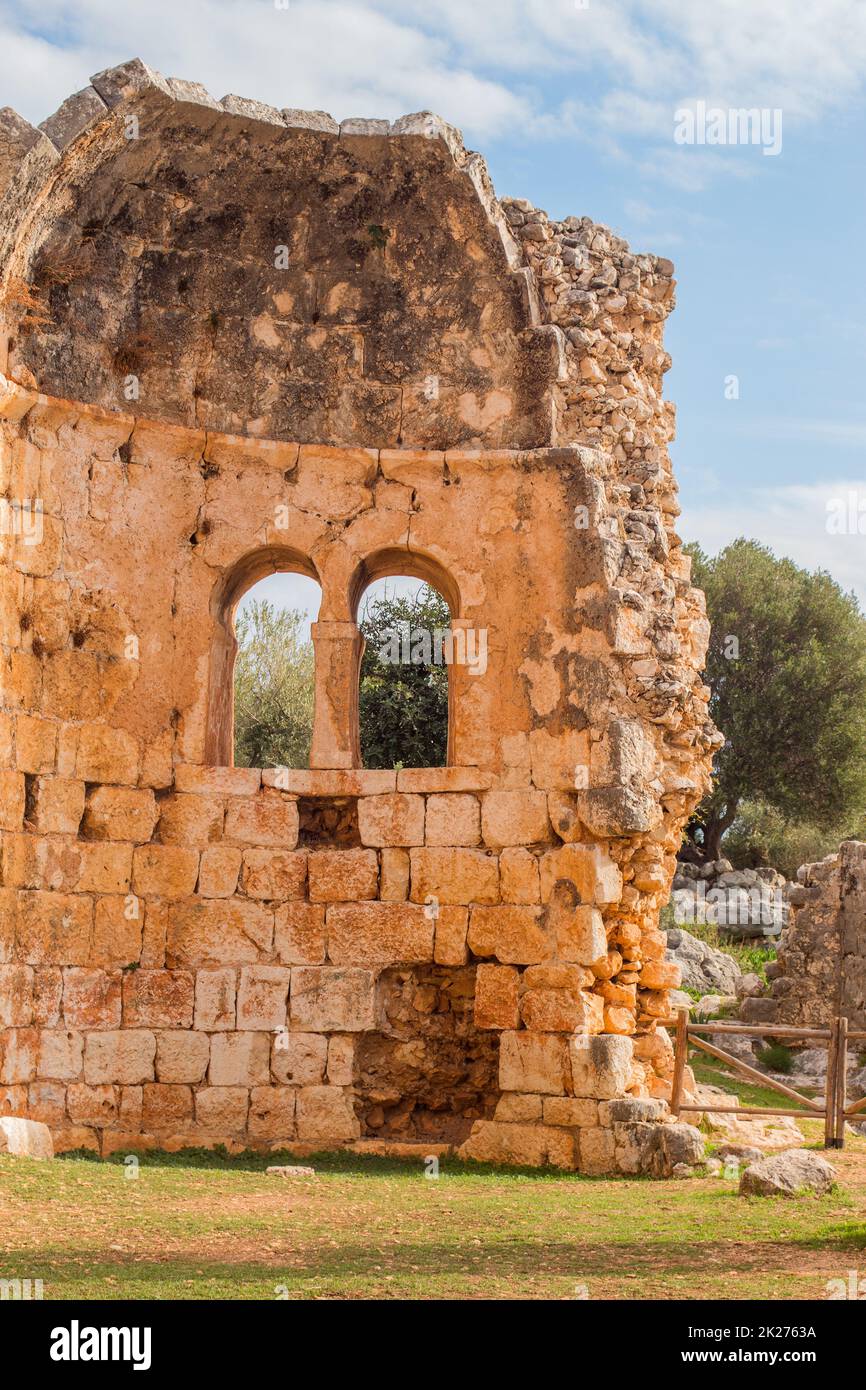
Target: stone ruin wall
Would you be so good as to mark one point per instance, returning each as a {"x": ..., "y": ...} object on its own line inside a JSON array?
[
  {"x": 820, "y": 972},
  {"x": 437, "y": 384}
]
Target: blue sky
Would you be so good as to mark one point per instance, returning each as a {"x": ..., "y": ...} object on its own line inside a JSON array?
[{"x": 573, "y": 106}]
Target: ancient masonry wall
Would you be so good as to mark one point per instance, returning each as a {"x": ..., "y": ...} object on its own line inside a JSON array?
[
  {"x": 821, "y": 968},
  {"x": 435, "y": 384}
]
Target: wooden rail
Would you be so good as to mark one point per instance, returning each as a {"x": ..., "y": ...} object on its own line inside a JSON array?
[{"x": 834, "y": 1110}]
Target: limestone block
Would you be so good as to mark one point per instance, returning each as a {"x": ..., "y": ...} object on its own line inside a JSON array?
[
  {"x": 453, "y": 818},
  {"x": 518, "y": 1109},
  {"x": 57, "y": 805},
  {"x": 341, "y": 1059},
  {"x": 118, "y": 932},
  {"x": 395, "y": 818},
  {"x": 61, "y": 1052},
  {"x": 46, "y": 1101},
  {"x": 529, "y": 1145},
  {"x": 454, "y": 875},
  {"x": 594, "y": 875},
  {"x": 570, "y": 1111},
  {"x": 272, "y": 1113},
  {"x": 104, "y": 754},
  {"x": 496, "y": 990},
  {"x": 449, "y": 943},
  {"x": 561, "y": 1011},
  {"x": 377, "y": 934},
  {"x": 515, "y": 935},
  {"x": 597, "y": 1151},
  {"x": 661, "y": 974},
  {"x": 219, "y": 870},
  {"x": 158, "y": 999},
  {"x": 239, "y": 1059},
  {"x": 217, "y": 932},
  {"x": 35, "y": 744},
  {"x": 217, "y": 781},
  {"x": 514, "y": 817},
  {"x": 299, "y": 1059},
  {"x": 299, "y": 933},
  {"x": 192, "y": 821},
  {"x": 11, "y": 800},
  {"x": 518, "y": 876},
  {"x": 120, "y": 813},
  {"x": 166, "y": 1108},
  {"x": 182, "y": 1056},
  {"x": 91, "y": 998},
  {"x": 222, "y": 1110},
  {"x": 343, "y": 875},
  {"x": 263, "y": 995},
  {"x": 328, "y": 1000},
  {"x": 53, "y": 929},
  {"x": 600, "y": 1066},
  {"x": 274, "y": 873},
  {"x": 126, "y": 1057},
  {"x": 105, "y": 868},
  {"x": 394, "y": 875},
  {"x": 16, "y": 995},
  {"x": 215, "y": 1000},
  {"x": 536, "y": 1062},
  {"x": 25, "y": 1138},
  {"x": 19, "y": 1048},
  {"x": 326, "y": 1113},
  {"x": 267, "y": 819},
  {"x": 580, "y": 934},
  {"x": 166, "y": 871}
]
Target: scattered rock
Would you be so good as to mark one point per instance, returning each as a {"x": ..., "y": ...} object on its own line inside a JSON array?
[
  {"x": 711, "y": 1005},
  {"x": 743, "y": 1153},
  {"x": 25, "y": 1138},
  {"x": 290, "y": 1171},
  {"x": 703, "y": 967},
  {"x": 788, "y": 1174},
  {"x": 676, "y": 1145},
  {"x": 749, "y": 985}
]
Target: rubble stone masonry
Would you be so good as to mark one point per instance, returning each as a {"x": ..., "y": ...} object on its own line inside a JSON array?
[{"x": 236, "y": 340}]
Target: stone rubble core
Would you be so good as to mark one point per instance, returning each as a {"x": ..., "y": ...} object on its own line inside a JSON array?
[
  {"x": 432, "y": 382},
  {"x": 820, "y": 970}
]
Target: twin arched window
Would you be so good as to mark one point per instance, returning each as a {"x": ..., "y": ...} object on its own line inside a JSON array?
[{"x": 305, "y": 676}]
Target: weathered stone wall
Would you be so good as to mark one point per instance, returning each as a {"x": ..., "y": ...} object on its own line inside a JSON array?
[
  {"x": 471, "y": 395},
  {"x": 821, "y": 967}
]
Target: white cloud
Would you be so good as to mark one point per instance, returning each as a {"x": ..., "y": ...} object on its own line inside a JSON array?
[
  {"x": 492, "y": 65},
  {"x": 792, "y": 521}
]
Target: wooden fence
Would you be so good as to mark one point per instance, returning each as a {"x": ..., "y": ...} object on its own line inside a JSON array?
[{"x": 834, "y": 1110}]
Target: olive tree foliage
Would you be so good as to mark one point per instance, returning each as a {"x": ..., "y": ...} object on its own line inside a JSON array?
[
  {"x": 274, "y": 676},
  {"x": 787, "y": 669},
  {"x": 404, "y": 681}
]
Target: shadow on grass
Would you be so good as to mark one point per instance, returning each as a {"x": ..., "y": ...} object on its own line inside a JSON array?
[{"x": 335, "y": 1162}]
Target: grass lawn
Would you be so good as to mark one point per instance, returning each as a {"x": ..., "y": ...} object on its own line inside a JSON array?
[{"x": 199, "y": 1226}]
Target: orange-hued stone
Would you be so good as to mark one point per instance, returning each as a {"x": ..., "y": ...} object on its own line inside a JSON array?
[{"x": 193, "y": 952}]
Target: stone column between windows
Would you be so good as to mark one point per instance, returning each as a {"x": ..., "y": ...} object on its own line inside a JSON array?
[{"x": 339, "y": 647}]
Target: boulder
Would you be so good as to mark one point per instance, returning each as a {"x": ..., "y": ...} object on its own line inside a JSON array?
[
  {"x": 25, "y": 1138},
  {"x": 787, "y": 1175},
  {"x": 703, "y": 967},
  {"x": 674, "y": 1146},
  {"x": 749, "y": 985},
  {"x": 711, "y": 1005}
]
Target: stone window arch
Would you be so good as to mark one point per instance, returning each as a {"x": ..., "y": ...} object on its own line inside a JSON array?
[
  {"x": 256, "y": 565},
  {"x": 396, "y": 562}
]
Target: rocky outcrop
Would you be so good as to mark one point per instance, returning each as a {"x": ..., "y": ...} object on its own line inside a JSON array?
[
  {"x": 788, "y": 1174},
  {"x": 703, "y": 967}
]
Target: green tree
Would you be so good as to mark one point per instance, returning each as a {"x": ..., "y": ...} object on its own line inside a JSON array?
[
  {"x": 404, "y": 703},
  {"x": 273, "y": 688},
  {"x": 787, "y": 669}
]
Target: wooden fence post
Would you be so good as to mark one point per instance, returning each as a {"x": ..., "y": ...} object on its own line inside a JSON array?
[
  {"x": 841, "y": 1083},
  {"x": 831, "y": 1088},
  {"x": 682, "y": 1047}
]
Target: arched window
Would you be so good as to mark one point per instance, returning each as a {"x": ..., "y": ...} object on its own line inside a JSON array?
[
  {"x": 262, "y": 668},
  {"x": 404, "y": 691}
]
